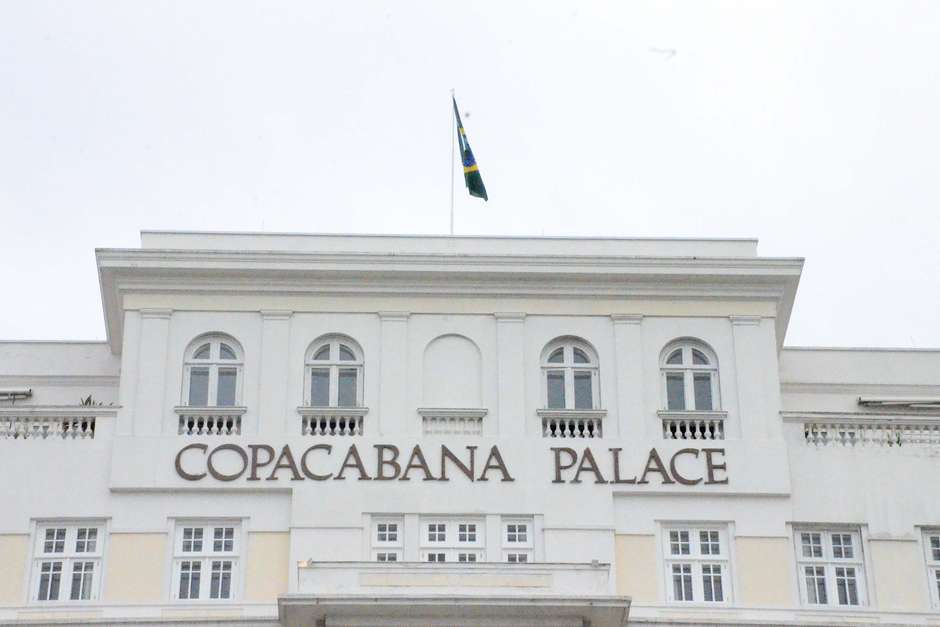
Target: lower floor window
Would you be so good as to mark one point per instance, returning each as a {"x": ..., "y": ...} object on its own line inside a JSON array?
[
  {"x": 831, "y": 566},
  {"x": 696, "y": 563},
  {"x": 68, "y": 558},
  {"x": 192, "y": 581}
]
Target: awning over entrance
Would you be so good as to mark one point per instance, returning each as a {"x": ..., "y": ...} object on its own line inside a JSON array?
[
  {"x": 370, "y": 594},
  {"x": 298, "y": 610}
]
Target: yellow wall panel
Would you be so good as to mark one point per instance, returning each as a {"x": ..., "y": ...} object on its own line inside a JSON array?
[
  {"x": 763, "y": 568},
  {"x": 899, "y": 571},
  {"x": 636, "y": 557},
  {"x": 14, "y": 553},
  {"x": 267, "y": 566},
  {"x": 135, "y": 568}
]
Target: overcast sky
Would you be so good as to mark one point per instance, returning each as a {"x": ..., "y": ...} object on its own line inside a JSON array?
[{"x": 814, "y": 126}]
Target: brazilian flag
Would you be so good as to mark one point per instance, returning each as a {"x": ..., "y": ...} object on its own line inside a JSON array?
[{"x": 471, "y": 173}]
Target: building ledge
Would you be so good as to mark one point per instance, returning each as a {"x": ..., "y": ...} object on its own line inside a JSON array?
[{"x": 453, "y": 610}]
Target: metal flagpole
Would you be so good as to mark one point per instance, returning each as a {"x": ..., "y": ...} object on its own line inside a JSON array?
[{"x": 452, "y": 146}]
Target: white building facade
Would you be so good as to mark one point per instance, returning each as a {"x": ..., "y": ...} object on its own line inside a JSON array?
[{"x": 368, "y": 430}]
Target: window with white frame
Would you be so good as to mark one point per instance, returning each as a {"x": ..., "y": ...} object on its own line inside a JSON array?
[
  {"x": 932, "y": 555},
  {"x": 517, "y": 540},
  {"x": 830, "y": 566},
  {"x": 453, "y": 540},
  {"x": 205, "y": 560},
  {"x": 696, "y": 563},
  {"x": 212, "y": 372},
  {"x": 570, "y": 375},
  {"x": 387, "y": 539},
  {"x": 67, "y": 561},
  {"x": 334, "y": 372},
  {"x": 690, "y": 377}
]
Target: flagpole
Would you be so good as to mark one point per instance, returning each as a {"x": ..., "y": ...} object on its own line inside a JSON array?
[{"x": 452, "y": 144}]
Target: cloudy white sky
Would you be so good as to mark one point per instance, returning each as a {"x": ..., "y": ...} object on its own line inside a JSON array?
[{"x": 814, "y": 126}]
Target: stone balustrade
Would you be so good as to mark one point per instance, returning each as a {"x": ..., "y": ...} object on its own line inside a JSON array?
[
  {"x": 693, "y": 425},
  {"x": 332, "y": 421}
]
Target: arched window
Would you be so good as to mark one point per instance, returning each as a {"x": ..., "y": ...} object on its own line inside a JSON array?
[
  {"x": 569, "y": 374},
  {"x": 334, "y": 373},
  {"x": 212, "y": 372},
  {"x": 690, "y": 377}
]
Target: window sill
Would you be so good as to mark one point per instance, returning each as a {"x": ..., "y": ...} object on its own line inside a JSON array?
[
  {"x": 561, "y": 414},
  {"x": 470, "y": 413},
  {"x": 309, "y": 410},
  {"x": 185, "y": 410},
  {"x": 692, "y": 414}
]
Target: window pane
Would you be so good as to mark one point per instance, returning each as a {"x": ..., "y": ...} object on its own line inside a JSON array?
[
  {"x": 815, "y": 585},
  {"x": 226, "y": 352},
  {"x": 703, "y": 391},
  {"x": 199, "y": 387},
  {"x": 842, "y": 546},
  {"x": 583, "y": 393},
  {"x": 225, "y": 393},
  {"x": 580, "y": 357},
  {"x": 347, "y": 387},
  {"x": 846, "y": 586},
  {"x": 557, "y": 356},
  {"x": 935, "y": 548},
  {"x": 323, "y": 354},
  {"x": 556, "y": 389},
  {"x": 675, "y": 357},
  {"x": 811, "y": 544},
  {"x": 682, "y": 582},
  {"x": 699, "y": 358},
  {"x": 346, "y": 354},
  {"x": 320, "y": 387},
  {"x": 711, "y": 583},
  {"x": 675, "y": 391},
  {"x": 202, "y": 352}
]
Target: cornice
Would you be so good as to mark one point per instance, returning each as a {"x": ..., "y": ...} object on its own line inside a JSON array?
[{"x": 123, "y": 271}]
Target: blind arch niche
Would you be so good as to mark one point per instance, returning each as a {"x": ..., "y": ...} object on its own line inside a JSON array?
[{"x": 452, "y": 373}]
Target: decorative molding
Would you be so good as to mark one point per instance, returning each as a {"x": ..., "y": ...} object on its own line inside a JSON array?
[
  {"x": 309, "y": 410},
  {"x": 857, "y": 418},
  {"x": 745, "y": 321},
  {"x": 626, "y": 318},
  {"x": 453, "y": 412},
  {"x": 509, "y": 316}
]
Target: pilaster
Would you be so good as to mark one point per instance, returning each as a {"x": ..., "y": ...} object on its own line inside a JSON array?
[
  {"x": 392, "y": 415},
  {"x": 150, "y": 412},
  {"x": 628, "y": 369},
  {"x": 510, "y": 418},
  {"x": 274, "y": 416}
]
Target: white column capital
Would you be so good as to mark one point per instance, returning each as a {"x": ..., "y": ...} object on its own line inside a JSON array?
[
  {"x": 394, "y": 316},
  {"x": 509, "y": 316},
  {"x": 626, "y": 318},
  {"x": 276, "y": 314},
  {"x": 745, "y": 321},
  {"x": 158, "y": 314}
]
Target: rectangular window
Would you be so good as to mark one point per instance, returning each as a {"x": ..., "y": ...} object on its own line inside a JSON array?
[
  {"x": 320, "y": 387},
  {"x": 348, "y": 387},
  {"x": 932, "y": 556},
  {"x": 198, "y": 387},
  {"x": 583, "y": 390},
  {"x": 225, "y": 389},
  {"x": 555, "y": 380},
  {"x": 702, "y": 382},
  {"x": 67, "y": 562},
  {"x": 437, "y": 532},
  {"x": 467, "y": 532},
  {"x": 675, "y": 391},
  {"x": 450, "y": 540},
  {"x": 437, "y": 557},
  {"x": 387, "y": 541},
  {"x": 205, "y": 560},
  {"x": 696, "y": 564},
  {"x": 831, "y": 567},
  {"x": 517, "y": 540}
]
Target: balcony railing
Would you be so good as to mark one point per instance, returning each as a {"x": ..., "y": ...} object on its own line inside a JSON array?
[
  {"x": 196, "y": 421},
  {"x": 693, "y": 425},
  {"x": 872, "y": 433},
  {"x": 50, "y": 423},
  {"x": 450, "y": 421},
  {"x": 572, "y": 423},
  {"x": 332, "y": 421}
]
